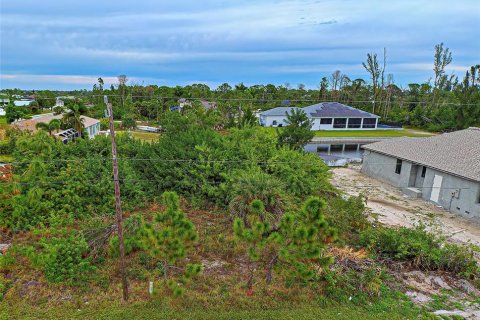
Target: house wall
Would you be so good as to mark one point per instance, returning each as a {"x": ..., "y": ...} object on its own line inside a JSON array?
[
  {"x": 267, "y": 121},
  {"x": 93, "y": 130},
  {"x": 382, "y": 167},
  {"x": 467, "y": 203}
]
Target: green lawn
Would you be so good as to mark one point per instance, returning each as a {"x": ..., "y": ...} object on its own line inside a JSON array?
[
  {"x": 160, "y": 311},
  {"x": 3, "y": 122},
  {"x": 373, "y": 133},
  {"x": 144, "y": 136},
  {"x": 407, "y": 132}
]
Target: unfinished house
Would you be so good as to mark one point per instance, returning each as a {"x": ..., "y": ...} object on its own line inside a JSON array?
[{"x": 443, "y": 169}]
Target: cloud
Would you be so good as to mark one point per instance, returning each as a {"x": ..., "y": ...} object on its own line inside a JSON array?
[
  {"x": 69, "y": 79},
  {"x": 250, "y": 41}
]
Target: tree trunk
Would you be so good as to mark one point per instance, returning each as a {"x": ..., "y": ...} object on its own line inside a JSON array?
[{"x": 271, "y": 264}]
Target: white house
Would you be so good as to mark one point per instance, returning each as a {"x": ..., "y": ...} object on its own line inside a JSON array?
[
  {"x": 325, "y": 116},
  {"x": 92, "y": 126}
]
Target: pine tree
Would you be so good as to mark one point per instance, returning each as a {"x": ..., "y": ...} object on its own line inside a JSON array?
[
  {"x": 298, "y": 131},
  {"x": 295, "y": 245},
  {"x": 168, "y": 238}
]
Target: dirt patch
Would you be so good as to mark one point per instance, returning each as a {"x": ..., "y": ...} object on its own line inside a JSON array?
[{"x": 391, "y": 207}]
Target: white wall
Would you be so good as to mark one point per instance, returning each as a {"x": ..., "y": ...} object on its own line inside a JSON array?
[
  {"x": 267, "y": 121},
  {"x": 93, "y": 130}
]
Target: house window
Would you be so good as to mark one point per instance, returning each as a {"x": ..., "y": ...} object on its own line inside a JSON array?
[
  {"x": 369, "y": 123},
  {"x": 340, "y": 123},
  {"x": 354, "y": 123},
  {"x": 424, "y": 170},
  {"x": 274, "y": 122},
  {"x": 398, "y": 167},
  {"x": 326, "y": 121}
]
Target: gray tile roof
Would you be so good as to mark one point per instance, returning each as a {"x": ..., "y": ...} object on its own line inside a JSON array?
[
  {"x": 279, "y": 111},
  {"x": 335, "y": 109},
  {"x": 456, "y": 152},
  {"x": 323, "y": 110}
]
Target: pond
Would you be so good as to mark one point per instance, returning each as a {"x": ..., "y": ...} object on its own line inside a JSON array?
[{"x": 337, "y": 154}]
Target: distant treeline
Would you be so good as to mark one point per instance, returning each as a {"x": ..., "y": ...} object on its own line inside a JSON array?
[{"x": 441, "y": 104}]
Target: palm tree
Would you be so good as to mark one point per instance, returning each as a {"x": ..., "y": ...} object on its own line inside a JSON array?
[
  {"x": 74, "y": 119},
  {"x": 50, "y": 126}
]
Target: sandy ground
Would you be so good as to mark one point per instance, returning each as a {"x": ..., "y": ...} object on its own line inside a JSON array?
[{"x": 391, "y": 207}]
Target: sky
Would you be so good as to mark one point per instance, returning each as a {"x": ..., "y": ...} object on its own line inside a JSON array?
[{"x": 52, "y": 44}]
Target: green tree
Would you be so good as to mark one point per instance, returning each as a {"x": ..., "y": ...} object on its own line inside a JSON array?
[
  {"x": 248, "y": 118},
  {"x": 13, "y": 112},
  {"x": 168, "y": 238},
  {"x": 295, "y": 245},
  {"x": 298, "y": 131},
  {"x": 128, "y": 122},
  {"x": 51, "y": 126},
  {"x": 74, "y": 119}
]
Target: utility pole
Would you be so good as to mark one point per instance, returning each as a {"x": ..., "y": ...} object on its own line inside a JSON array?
[{"x": 118, "y": 204}]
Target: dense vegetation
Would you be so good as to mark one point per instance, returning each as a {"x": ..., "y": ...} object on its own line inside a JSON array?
[
  {"x": 218, "y": 212},
  {"x": 198, "y": 197}
]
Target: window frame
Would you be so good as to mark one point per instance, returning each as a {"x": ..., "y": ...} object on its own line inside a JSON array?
[
  {"x": 424, "y": 171},
  {"x": 354, "y": 125},
  {"x": 398, "y": 166},
  {"x": 369, "y": 123},
  {"x": 330, "y": 121},
  {"x": 340, "y": 125}
]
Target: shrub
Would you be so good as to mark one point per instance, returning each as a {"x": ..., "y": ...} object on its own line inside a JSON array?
[
  {"x": 348, "y": 217},
  {"x": 421, "y": 249},
  {"x": 64, "y": 260},
  {"x": 250, "y": 185}
]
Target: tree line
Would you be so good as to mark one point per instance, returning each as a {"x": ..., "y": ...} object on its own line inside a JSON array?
[{"x": 444, "y": 102}]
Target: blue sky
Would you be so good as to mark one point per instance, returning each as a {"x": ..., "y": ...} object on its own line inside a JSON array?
[{"x": 54, "y": 44}]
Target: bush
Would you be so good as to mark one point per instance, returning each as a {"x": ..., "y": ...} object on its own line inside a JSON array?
[
  {"x": 421, "y": 249},
  {"x": 348, "y": 217},
  {"x": 64, "y": 260}
]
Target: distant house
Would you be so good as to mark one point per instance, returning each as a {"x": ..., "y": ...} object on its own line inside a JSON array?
[
  {"x": 59, "y": 102},
  {"x": 92, "y": 126},
  {"x": 443, "y": 169},
  {"x": 325, "y": 116},
  {"x": 208, "y": 105}
]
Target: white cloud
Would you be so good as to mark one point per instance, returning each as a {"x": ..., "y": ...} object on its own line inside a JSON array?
[{"x": 68, "y": 79}]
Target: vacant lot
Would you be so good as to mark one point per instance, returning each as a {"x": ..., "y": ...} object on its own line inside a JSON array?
[
  {"x": 393, "y": 208},
  {"x": 142, "y": 135}
]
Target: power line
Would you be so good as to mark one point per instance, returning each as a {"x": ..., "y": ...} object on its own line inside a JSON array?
[
  {"x": 209, "y": 182},
  {"x": 213, "y": 99},
  {"x": 168, "y": 161}
]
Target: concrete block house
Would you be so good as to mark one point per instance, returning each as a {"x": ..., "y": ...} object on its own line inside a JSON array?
[
  {"x": 443, "y": 169},
  {"x": 325, "y": 116},
  {"x": 92, "y": 126}
]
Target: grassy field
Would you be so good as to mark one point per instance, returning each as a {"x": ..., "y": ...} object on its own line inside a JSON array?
[
  {"x": 3, "y": 122},
  {"x": 366, "y": 133},
  {"x": 153, "y": 310},
  {"x": 144, "y": 136},
  {"x": 373, "y": 133}
]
